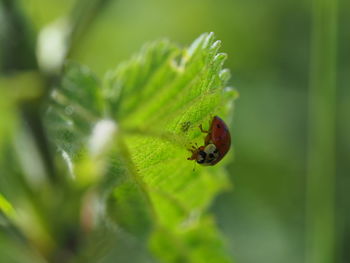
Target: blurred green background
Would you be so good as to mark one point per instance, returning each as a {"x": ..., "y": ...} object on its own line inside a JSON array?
[{"x": 269, "y": 46}]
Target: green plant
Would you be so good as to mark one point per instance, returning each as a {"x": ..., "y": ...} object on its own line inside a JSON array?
[{"x": 96, "y": 169}]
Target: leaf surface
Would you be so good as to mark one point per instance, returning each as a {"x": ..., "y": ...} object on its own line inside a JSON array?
[{"x": 157, "y": 100}]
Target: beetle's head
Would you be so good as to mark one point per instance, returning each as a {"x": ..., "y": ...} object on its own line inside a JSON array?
[{"x": 209, "y": 154}]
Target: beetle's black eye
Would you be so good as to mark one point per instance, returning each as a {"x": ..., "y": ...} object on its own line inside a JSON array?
[{"x": 202, "y": 156}]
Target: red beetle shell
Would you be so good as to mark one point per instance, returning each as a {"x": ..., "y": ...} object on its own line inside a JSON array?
[
  {"x": 220, "y": 136},
  {"x": 217, "y": 135}
]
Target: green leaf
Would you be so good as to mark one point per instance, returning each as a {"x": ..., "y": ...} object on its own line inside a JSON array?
[
  {"x": 156, "y": 100},
  {"x": 75, "y": 107},
  {"x": 196, "y": 244}
]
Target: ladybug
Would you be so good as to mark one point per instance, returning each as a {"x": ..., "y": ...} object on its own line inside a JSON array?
[{"x": 216, "y": 144}]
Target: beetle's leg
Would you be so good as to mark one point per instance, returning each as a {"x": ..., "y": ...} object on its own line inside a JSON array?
[
  {"x": 194, "y": 154},
  {"x": 201, "y": 128},
  {"x": 210, "y": 122},
  {"x": 192, "y": 149},
  {"x": 207, "y": 139}
]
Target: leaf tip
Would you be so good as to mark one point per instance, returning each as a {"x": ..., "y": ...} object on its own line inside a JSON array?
[{"x": 225, "y": 75}]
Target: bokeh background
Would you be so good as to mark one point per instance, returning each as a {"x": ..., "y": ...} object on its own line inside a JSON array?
[{"x": 269, "y": 47}]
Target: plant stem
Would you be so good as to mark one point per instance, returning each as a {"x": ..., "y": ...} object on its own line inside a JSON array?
[{"x": 320, "y": 189}]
